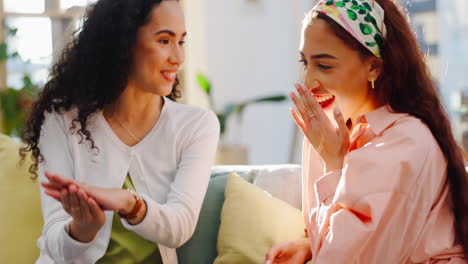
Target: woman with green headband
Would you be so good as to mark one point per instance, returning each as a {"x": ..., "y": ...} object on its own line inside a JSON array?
[{"x": 383, "y": 178}]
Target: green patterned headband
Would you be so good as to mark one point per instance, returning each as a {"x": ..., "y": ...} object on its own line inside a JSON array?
[{"x": 363, "y": 19}]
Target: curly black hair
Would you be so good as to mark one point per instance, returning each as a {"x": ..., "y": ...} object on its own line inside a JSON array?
[{"x": 92, "y": 70}]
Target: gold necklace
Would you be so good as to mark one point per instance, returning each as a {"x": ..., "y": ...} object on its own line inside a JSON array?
[{"x": 124, "y": 126}]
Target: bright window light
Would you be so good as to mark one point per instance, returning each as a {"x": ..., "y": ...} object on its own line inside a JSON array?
[
  {"x": 65, "y": 4},
  {"x": 33, "y": 41},
  {"x": 24, "y": 6}
]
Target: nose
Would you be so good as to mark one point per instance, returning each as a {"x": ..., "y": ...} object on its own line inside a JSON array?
[
  {"x": 308, "y": 77},
  {"x": 177, "y": 56}
]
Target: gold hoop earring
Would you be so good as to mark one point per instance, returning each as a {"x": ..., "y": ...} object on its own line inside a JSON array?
[{"x": 373, "y": 82}]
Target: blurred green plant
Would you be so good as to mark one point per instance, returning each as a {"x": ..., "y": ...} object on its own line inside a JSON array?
[
  {"x": 232, "y": 108},
  {"x": 15, "y": 101}
]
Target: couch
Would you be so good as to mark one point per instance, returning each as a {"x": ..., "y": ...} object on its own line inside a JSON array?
[
  {"x": 21, "y": 220},
  {"x": 281, "y": 181},
  {"x": 21, "y": 228}
]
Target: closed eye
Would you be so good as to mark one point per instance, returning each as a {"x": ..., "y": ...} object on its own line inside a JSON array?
[{"x": 324, "y": 67}]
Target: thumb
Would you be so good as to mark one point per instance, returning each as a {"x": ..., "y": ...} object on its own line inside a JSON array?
[{"x": 271, "y": 254}]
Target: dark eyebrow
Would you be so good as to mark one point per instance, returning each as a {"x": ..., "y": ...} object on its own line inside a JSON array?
[
  {"x": 169, "y": 32},
  {"x": 322, "y": 56}
]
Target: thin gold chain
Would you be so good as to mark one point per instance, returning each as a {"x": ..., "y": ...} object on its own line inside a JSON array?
[{"x": 126, "y": 128}]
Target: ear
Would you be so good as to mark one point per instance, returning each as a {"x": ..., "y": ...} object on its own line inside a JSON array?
[{"x": 375, "y": 68}]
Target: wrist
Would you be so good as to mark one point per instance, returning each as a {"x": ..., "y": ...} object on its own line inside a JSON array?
[
  {"x": 82, "y": 233},
  {"x": 141, "y": 214},
  {"x": 129, "y": 203},
  {"x": 333, "y": 165},
  {"x": 304, "y": 243},
  {"x": 332, "y": 168},
  {"x": 134, "y": 209}
]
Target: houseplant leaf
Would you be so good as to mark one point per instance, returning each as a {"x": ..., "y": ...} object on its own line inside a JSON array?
[
  {"x": 204, "y": 83},
  {"x": 3, "y": 51},
  {"x": 276, "y": 98},
  {"x": 224, "y": 116}
]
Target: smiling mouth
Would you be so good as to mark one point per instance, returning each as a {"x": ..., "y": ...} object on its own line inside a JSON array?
[
  {"x": 169, "y": 75},
  {"x": 325, "y": 100}
]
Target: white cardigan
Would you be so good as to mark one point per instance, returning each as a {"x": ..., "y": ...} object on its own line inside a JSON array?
[{"x": 170, "y": 168}]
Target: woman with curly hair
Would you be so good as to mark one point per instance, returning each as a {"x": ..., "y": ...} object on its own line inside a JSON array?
[
  {"x": 106, "y": 121},
  {"x": 383, "y": 178}
]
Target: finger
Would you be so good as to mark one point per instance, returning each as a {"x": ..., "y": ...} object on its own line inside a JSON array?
[
  {"x": 302, "y": 96},
  {"x": 300, "y": 107},
  {"x": 53, "y": 193},
  {"x": 74, "y": 200},
  {"x": 58, "y": 180},
  {"x": 49, "y": 185},
  {"x": 297, "y": 119},
  {"x": 272, "y": 253},
  {"x": 65, "y": 198},
  {"x": 342, "y": 128},
  {"x": 312, "y": 103},
  {"x": 52, "y": 180},
  {"x": 95, "y": 209},
  {"x": 84, "y": 205}
]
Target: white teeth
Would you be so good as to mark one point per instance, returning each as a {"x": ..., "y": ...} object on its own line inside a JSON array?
[
  {"x": 324, "y": 98},
  {"x": 170, "y": 75}
]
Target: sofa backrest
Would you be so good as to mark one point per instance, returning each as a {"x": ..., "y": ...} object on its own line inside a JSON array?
[{"x": 281, "y": 181}]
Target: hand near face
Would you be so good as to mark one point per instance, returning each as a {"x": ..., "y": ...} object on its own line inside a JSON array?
[{"x": 330, "y": 143}]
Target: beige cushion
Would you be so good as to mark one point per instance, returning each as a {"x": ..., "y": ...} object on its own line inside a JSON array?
[
  {"x": 21, "y": 220},
  {"x": 283, "y": 183},
  {"x": 252, "y": 221}
]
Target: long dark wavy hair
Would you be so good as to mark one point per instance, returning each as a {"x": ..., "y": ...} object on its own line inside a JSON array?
[
  {"x": 92, "y": 70},
  {"x": 405, "y": 85}
]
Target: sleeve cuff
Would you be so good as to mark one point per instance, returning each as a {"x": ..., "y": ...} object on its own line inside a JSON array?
[
  {"x": 325, "y": 186},
  {"x": 76, "y": 245}
]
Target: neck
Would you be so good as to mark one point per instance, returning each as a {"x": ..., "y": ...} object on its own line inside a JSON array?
[
  {"x": 135, "y": 105},
  {"x": 360, "y": 109}
]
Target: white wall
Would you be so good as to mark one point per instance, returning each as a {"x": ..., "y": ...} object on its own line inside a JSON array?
[
  {"x": 453, "y": 28},
  {"x": 248, "y": 51}
]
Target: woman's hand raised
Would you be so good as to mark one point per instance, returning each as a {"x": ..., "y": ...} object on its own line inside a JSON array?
[{"x": 330, "y": 143}]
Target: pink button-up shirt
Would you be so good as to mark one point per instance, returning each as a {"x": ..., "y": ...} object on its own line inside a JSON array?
[{"x": 389, "y": 203}]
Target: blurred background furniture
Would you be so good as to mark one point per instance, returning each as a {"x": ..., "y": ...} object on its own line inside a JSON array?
[{"x": 21, "y": 221}]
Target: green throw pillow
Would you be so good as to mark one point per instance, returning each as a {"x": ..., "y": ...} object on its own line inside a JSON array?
[
  {"x": 20, "y": 206},
  {"x": 252, "y": 221}
]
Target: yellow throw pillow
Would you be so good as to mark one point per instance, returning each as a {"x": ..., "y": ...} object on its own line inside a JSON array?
[
  {"x": 20, "y": 205},
  {"x": 252, "y": 221}
]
